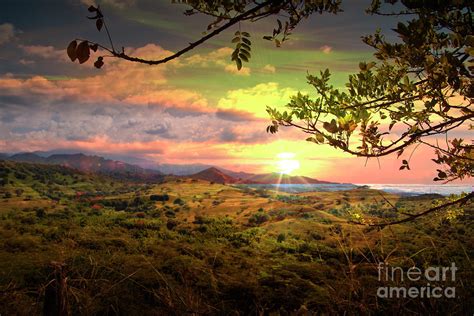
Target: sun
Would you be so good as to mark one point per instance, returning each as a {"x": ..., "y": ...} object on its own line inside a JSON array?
[{"x": 286, "y": 163}]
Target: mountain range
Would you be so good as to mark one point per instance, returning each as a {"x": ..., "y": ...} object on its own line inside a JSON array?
[
  {"x": 91, "y": 164},
  {"x": 119, "y": 169}
]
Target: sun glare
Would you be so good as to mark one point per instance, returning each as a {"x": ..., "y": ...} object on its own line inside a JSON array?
[{"x": 286, "y": 164}]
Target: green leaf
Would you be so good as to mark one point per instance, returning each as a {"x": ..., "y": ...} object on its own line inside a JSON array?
[
  {"x": 246, "y": 41},
  {"x": 243, "y": 57},
  {"x": 246, "y": 47},
  {"x": 236, "y": 40},
  {"x": 244, "y": 52},
  {"x": 238, "y": 62},
  {"x": 245, "y": 34}
]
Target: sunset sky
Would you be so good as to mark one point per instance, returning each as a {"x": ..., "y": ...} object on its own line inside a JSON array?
[{"x": 196, "y": 109}]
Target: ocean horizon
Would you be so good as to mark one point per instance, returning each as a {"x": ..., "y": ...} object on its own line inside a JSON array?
[{"x": 402, "y": 189}]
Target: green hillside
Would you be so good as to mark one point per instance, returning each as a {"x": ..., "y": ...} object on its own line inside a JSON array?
[{"x": 188, "y": 247}]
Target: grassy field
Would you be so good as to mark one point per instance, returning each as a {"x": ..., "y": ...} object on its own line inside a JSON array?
[{"x": 96, "y": 246}]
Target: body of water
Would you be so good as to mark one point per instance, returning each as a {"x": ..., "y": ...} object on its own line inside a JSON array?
[{"x": 402, "y": 189}]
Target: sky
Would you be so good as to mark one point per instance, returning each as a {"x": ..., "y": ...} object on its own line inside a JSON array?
[{"x": 195, "y": 109}]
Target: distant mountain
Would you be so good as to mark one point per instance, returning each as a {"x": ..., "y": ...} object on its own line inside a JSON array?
[
  {"x": 238, "y": 175},
  {"x": 181, "y": 170},
  {"x": 4, "y": 156},
  {"x": 219, "y": 176},
  {"x": 214, "y": 175},
  {"x": 92, "y": 164},
  {"x": 28, "y": 157},
  {"x": 273, "y": 178}
]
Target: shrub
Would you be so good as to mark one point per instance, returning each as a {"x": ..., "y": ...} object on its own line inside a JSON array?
[
  {"x": 179, "y": 201},
  {"x": 171, "y": 224},
  {"x": 159, "y": 197},
  {"x": 281, "y": 237},
  {"x": 258, "y": 218},
  {"x": 40, "y": 213}
]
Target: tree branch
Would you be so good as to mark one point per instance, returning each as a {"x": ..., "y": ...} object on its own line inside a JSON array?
[
  {"x": 231, "y": 22},
  {"x": 460, "y": 201}
]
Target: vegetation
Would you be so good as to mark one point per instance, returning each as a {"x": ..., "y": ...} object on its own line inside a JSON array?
[{"x": 109, "y": 247}]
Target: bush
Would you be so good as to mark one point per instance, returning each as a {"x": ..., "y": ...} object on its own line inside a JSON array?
[
  {"x": 281, "y": 237},
  {"x": 179, "y": 201},
  {"x": 258, "y": 218},
  {"x": 40, "y": 213},
  {"x": 159, "y": 197},
  {"x": 171, "y": 224}
]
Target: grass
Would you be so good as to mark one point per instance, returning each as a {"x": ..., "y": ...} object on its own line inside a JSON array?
[{"x": 211, "y": 248}]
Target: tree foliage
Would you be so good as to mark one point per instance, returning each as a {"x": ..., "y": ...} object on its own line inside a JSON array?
[{"x": 416, "y": 88}]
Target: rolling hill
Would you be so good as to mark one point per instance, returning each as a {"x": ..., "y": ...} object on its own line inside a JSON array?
[
  {"x": 92, "y": 164},
  {"x": 214, "y": 175}
]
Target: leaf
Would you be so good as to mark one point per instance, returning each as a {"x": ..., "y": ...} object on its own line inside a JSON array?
[
  {"x": 331, "y": 127},
  {"x": 99, "y": 23},
  {"x": 94, "y": 47},
  {"x": 243, "y": 57},
  {"x": 391, "y": 125},
  {"x": 238, "y": 62},
  {"x": 244, "y": 52},
  {"x": 99, "y": 63},
  {"x": 246, "y": 41},
  {"x": 83, "y": 52},
  {"x": 320, "y": 137},
  {"x": 268, "y": 38},
  {"x": 71, "y": 50},
  {"x": 236, "y": 40},
  {"x": 442, "y": 175},
  {"x": 245, "y": 34},
  {"x": 246, "y": 47}
]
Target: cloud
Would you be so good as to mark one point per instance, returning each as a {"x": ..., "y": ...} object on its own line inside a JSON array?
[
  {"x": 235, "y": 115},
  {"x": 161, "y": 129},
  {"x": 245, "y": 134},
  {"x": 269, "y": 69},
  {"x": 326, "y": 49},
  {"x": 254, "y": 100},
  {"x": 119, "y": 82},
  {"x": 232, "y": 68},
  {"x": 26, "y": 61},
  {"x": 46, "y": 52},
  {"x": 7, "y": 33}
]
